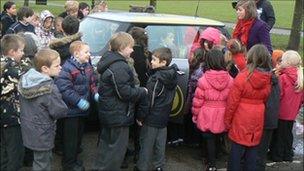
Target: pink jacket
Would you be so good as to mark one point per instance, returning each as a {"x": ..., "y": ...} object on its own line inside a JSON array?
[
  {"x": 291, "y": 100},
  {"x": 209, "y": 101}
]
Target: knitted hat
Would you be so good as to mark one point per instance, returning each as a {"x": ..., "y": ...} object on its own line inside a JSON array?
[{"x": 211, "y": 34}]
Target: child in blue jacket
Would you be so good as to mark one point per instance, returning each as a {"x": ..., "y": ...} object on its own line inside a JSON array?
[{"x": 77, "y": 84}]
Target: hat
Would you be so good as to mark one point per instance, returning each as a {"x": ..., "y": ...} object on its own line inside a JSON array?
[
  {"x": 211, "y": 34},
  {"x": 45, "y": 14}
]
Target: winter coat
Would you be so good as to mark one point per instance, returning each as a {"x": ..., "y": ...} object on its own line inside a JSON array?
[
  {"x": 272, "y": 105},
  {"x": 154, "y": 111},
  {"x": 9, "y": 97},
  {"x": 44, "y": 35},
  {"x": 291, "y": 99},
  {"x": 41, "y": 105},
  {"x": 266, "y": 12},
  {"x": 239, "y": 60},
  {"x": 259, "y": 34},
  {"x": 244, "y": 116},
  {"x": 6, "y": 22},
  {"x": 76, "y": 81},
  {"x": 20, "y": 27},
  {"x": 62, "y": 45},
  {"x": 117, "y": 90},
  {"x": 140, "y": 64},
  {"x": 209, "y": 101}
]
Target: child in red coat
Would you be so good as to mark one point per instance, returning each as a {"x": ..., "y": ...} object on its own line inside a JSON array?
[
  {"x": 244, "y": 116},
  {"x": 237, "y": 53},
  {"x": 291, "y": 82}
]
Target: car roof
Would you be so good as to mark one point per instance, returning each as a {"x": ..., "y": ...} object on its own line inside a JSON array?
[{"x": 155, "y": 18}]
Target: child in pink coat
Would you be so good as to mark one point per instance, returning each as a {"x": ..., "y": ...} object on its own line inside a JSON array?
[
  {"x": 209, "y": 101},
  {"x": 291, "y": 82}
]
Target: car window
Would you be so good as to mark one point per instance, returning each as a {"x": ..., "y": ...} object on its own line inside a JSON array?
[
  {"x": 97, "y": 32},
  {"x": 178, "y": 38}
]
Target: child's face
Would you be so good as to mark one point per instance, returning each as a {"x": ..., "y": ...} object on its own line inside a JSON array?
[
  {"x": 34, "y": 20},
  {"x": 12, "y": 10},
  {"x": 85, "y": 11},
  {"x": 83, "y": 55},
  {"x": 48, "y": 23},
  {"x": 126, "y": 52},
  {"x": 55, "y": 68},
  {"x": 156, "y": 63},
  {"x": 17, "y": 55},
  {"x": 58, "y": 26}
]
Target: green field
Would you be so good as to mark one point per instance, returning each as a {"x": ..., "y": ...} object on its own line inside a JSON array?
[{"x": 214, "y": 9}]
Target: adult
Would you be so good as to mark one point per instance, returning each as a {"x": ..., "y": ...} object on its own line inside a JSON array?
[
  {"x": 265, "y": 12},
  {"x": 249, "y": 29},
  {"x": 8, "y": 16},
  {"x": 71, "y": 8}
]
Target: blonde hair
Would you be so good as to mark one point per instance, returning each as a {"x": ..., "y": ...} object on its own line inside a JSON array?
[
  {"x": 71, "y": 6},
  {"x": 292, "y": 58},
  {"x": 45, "y": 57},
  {"x": 120, "y": 41},
  {"x": 76, "y": 46}
]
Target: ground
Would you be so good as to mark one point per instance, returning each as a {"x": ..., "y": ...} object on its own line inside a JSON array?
[{"x": 177, "y": 158}]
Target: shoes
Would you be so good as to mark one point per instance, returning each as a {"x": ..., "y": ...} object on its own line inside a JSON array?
[
  {"x": 159, "y": 169},
  {"x": 176, "y": 142}
]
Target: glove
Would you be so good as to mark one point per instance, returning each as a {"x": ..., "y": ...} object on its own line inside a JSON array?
[
  {"x": 83, "y": 104},
  {"x": 96, "y": 97}
]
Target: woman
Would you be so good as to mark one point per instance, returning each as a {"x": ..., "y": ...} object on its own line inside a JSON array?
[{"x": 249, "y": 29}]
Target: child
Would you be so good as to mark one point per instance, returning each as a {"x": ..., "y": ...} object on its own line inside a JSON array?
[
  {"x": 8, "y": 16},
  {"x": 11, "y": 140},
  {"x": 58, "y": 33},
  {"x": 237, "y": 53},
  {"x": 209, "y": 102},
  {"x": 84, "y": 8},
  {"x": 77, "y": 84},
  {"x": 100, "y": 6},
  {"x": 116, "y": 105},
  {"x": 244, "y": 116},
  {"x": 71, "y": 9},
  {"x": 291, "y": 81},
  {"x": 45, "y": 31},
  {"x": 24, "y": 16},
  {"x": 70, "y": 26},
  {"x": 155, "y": 110},
  {"x": 41, "y": 105}
]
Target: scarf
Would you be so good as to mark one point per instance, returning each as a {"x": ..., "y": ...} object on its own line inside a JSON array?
[{"x": 242, "y": 30}]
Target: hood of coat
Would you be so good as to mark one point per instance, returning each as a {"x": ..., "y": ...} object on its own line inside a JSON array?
[
  {"x": 64, "y": 40},
  {"x": 108, "y": 59},
  {"x": 260, "y": 78},
  {"x": 217, "y": 79},
  {"x": 167, "y": 75},
  {"x": 33, "y": 84},
  {"x": 45, "y": 14},
  {"x": 291, "y": 73}
]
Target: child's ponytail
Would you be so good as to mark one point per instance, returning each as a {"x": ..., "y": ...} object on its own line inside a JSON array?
[{"x": 299, "y": 85}]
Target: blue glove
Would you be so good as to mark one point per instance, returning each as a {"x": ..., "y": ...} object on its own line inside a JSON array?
[
  {"x": 83, "y": 104},
  {"x": 96, "y": 97}
]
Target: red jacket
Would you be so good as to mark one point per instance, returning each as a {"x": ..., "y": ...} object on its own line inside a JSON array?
[
  {"x": 209, "y": 101},
  {"x": 244, "y": 116},
  {"x": 291, "y": 100}
]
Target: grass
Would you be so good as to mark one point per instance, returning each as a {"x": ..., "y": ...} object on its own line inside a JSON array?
[{"x": 217, "y": 9}]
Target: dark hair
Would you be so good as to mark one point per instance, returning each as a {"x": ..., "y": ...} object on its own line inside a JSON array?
[
  {"x": 83, "y": 5},
  {"x": 24, "y": 12},
  {"x": 210, "y": 43},
  {"x": 198, "y": 59},
  {"x": 215, "y": 60},
  {"x": 163, "y": 54},
  {"x": 70, "y": 25},
  {"x": 7, "y": 5},
  {"x": 258, "y": 56},
  {"x": 140, "y": 36}
]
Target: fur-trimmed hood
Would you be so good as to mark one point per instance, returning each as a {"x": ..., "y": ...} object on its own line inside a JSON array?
[
  {"x": 33, "y": 84},
  {"x": 64, "y": 40}
]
